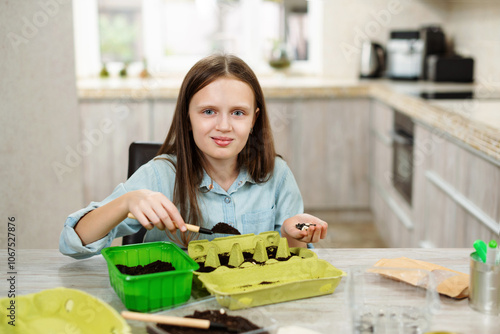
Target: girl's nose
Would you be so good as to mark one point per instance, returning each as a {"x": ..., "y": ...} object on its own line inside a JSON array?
[{"x": 223, "y": 122}]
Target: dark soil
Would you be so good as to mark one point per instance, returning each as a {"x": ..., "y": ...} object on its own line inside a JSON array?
[
  {"x": 224, "y": 228},
  {"x": 247, "y": 257},
  {"x": 240, "y": 324},
  {"x": 265, "y": 282},
  {"x": 155, "y": 267},
  {"x": 261, "y": 283}
]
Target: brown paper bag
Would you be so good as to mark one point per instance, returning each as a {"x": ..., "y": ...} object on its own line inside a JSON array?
[{"x": 449, "y": 282}]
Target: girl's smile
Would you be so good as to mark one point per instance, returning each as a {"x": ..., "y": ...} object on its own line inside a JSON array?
[{"x": 222, "y": 141}]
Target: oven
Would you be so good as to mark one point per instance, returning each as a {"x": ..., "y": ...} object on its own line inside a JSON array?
[{"x": 402, "y": 166}]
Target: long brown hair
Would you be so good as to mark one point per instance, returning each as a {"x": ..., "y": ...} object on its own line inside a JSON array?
[{"x": 257, "y": 156}]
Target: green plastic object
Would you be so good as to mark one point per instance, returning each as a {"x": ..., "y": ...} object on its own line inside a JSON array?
[
  {"x": 480, "y": 247},
  {"x": 61, "y": 310},
  {"x": 151, "y": 292},
  {"x": 261, "y": 285}
]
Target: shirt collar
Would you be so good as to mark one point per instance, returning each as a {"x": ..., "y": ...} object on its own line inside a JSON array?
[
  {"x": 242, "y": 178},
  {"x": 205, "y": 181}
]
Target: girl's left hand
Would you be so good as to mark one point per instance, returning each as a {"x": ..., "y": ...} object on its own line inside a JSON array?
[{"x": 296, "y": 237}]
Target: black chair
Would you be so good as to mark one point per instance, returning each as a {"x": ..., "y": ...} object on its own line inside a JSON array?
[{"x": 138, "y": 154}]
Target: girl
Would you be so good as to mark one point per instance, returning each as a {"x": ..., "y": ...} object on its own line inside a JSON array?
[{"x": 217, "y": 164}]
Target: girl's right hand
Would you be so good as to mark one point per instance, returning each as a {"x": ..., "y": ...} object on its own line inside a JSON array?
[{"x": 154, "y": 209}]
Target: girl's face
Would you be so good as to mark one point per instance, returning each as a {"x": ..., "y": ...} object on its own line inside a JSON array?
[{"x": 222, "y": 115}]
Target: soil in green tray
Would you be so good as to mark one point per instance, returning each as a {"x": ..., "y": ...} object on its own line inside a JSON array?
[
  {"x": 240, "y": 324},
  {"x": 247, "y": 257},
  {"x": 154, "y": 267}
]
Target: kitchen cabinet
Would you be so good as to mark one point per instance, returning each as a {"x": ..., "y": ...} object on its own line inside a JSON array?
[
  {"x": 105, "y": 166},
  {"x": 456, "y": 190},
  {"x": 325, "y": 141},
  {"x": 108, "y": 128},
  {"x": 161, "y": 118}
]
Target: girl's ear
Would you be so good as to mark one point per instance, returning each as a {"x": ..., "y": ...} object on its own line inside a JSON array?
[{"x": 255, "y": 116}]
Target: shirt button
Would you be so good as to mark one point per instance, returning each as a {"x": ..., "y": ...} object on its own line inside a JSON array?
[
  {"x": 240, "y": 183},
  {"x": 227, "y": 200}
]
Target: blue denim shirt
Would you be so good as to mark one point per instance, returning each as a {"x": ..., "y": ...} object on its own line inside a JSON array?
[{"x": 248, "y": 206}]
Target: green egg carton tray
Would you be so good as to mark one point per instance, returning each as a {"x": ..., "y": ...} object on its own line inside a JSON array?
[
  {"x": 244, "y": 251},
  {"x": 263, "y": 285},
  {"x": 251, "y": 278},
  {"x": 60, "y": 310}
]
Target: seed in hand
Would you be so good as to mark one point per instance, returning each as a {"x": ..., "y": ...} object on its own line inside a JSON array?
[{"x": 303, "y": 226}]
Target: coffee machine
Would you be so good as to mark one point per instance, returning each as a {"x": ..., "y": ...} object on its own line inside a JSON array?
[
  {"x": 408, "y": 52},
  {"x": 434, "y": 44},
  {"x": 405, "y": 55}
]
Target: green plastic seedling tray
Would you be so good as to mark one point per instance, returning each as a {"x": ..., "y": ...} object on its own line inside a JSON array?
[
  {"x": 261, "y": 285},
  {"x": 150, "y": 292}
]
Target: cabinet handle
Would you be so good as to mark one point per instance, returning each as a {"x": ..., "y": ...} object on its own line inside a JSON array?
[{"x": 401, "y": 139}]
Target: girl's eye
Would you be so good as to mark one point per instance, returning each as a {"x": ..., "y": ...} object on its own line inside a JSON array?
[
  {"x": 238, "y": 113},
  {"x": 208, "y": 112}
]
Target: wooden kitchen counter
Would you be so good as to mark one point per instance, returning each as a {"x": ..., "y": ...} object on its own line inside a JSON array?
[{"x": 39, "y": 269}]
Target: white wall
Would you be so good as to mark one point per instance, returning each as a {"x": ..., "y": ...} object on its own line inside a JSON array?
[{"x": 38, "y": 106}]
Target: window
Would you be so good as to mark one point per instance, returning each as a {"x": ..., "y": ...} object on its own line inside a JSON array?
[
  {"x": 179, "y": 32},
  {"x": 120, "y": 30},
  {"x": 173, "y": 34}
]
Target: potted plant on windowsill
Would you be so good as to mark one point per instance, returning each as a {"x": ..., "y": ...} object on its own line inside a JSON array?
[{"x": 279, "y": 58}]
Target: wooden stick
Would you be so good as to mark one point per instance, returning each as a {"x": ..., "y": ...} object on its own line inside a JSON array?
[
  {"x": 192, "y": 228},
  {"x": 167, "y": 320}
]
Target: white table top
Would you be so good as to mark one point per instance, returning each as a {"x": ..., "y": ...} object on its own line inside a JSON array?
[{"x": 43, "y": 269}]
